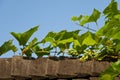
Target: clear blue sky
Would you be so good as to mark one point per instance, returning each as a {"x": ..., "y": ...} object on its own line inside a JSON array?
[{"x": 51, "y": 15}]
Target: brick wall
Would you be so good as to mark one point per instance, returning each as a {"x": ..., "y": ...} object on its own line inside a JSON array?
[{"x": 17, "y": 68}]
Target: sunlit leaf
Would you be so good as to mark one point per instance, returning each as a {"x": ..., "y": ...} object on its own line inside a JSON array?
[
  {"x": 84, "y": 20},
  {"x": 7, "y": 46},
  {"x": 117, "y": 48},
  {"x": 22, "y": 38},
  {"x": 69, "y": 40},
  {"x": 49, "y": 37},
  {"x": 92, "y": 18},
  {"x": 106, "y": 77},
  {"x": 116, "y": 36},
  {"x": 59, "y": 35},
  {"x": 111, "y": 72},
  {"x": 14, "y": 48},
  {"x": 79, "y": 18},
  {"x": 75, "y": 18},
  {"x": 87, "y": 38},
  {"x": 111, "y": 9},
  {"x": 76, "y": 43},
  {"x": 95, "y": 16},
  {"x": 41, "y": 52},
  {"x": 27, "y": 49}
]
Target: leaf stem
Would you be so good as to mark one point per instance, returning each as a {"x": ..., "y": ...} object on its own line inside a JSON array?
[{"x": 87, "y": 28}]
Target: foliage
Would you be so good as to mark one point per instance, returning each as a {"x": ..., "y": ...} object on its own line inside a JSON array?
[
  {"x": 111, "y": 72},
  {"x": 92, "y": 44},
  {"x": 7, "y": 46},
  {"x": 23, "y": 38}
]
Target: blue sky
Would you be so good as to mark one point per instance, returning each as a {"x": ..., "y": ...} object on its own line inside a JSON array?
[{"x": 51, "y": 15}]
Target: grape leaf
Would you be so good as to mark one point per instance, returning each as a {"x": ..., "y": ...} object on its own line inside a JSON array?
[
  {"x": 111, "y": 72},
  {"x": 75, "y": 18},
  {"x": 89, "y": 40},
  {"x": 84, "y": 20},
  {"x": 41, "y": 52},
  {"x": 92, "y": 18},
  {"x": 22, "y": 38},
  {"x": 27, "y": 48},
  {"x": 7, "y": 46},
  {"x": 111, "y": 9}
]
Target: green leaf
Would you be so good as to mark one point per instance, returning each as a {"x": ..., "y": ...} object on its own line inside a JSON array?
[
  {"x": 117, "y": 48},
  {"x": 117, "y": 17},
  {"x": 116, "y": 66},
  {"x": 87, "y": 38},
  {"x": 75, "y": 18},
  {"x": 110, "y": 28},
  {"x": 111, "y": 9},
  {"x": 7, "y": 46},
  {"x": 59, "y": 35},
  {"x": 66, "y": 35},
  {"x": 13, "y": 48},
  {"x": 106, "y": 77},
  {"x": 111, "y": 72},
  {"x": 23, "y": 38},
  {"x": 102, "y": 31},
  {"x": 27, "y": 49},
  {"x": 84, "y": 20},
  {"x": 49, "y": 37},
  {"x": 28, "y": 53},
  {"x": 116, "y": 36},
  {"x": 92, "y": 18},
  {"x": 95, "y": 15},
  {"x": 69, "y": 40},
  {"x": 80, "y": 17},
  {"x": 41, "y": 52},
  {"x": 76, "y": 44}
]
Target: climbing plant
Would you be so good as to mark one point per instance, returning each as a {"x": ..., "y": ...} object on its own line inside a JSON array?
[{"x": 91, "y": 44}]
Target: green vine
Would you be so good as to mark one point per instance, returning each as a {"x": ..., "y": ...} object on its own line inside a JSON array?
[{"x": 93, "y": 44}]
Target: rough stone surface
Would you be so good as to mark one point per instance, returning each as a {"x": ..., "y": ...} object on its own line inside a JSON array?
[
  {"x": 99, "y": 67},
  {"x": 94, "y": 78},
  {"x": 5, "y": 68},
  {"x": 83, "y": 69},
  {"x": 38, "y": 67},
  {"x": 52, "y": 67},
  {"x": 67, "y": 68},
  {"x": 20, "y": 67}
]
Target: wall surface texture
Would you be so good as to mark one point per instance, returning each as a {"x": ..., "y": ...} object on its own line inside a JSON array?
[{"x": 17, "y": 68}]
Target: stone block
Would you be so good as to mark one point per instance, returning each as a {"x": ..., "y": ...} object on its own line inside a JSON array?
[
  {"x": 20, "y": 67},
  {"x": 67, "y": 68},
  {"x": 52, "y": 67},
  {"x": 38, "y": 67},
  {"x": 5, "y": 68}
]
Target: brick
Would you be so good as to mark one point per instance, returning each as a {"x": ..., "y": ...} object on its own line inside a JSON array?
[
  {"x": 38, "y": 67},
  {"x": 83, "y": 69},
  {"x": 20, "y": 67},
  {"x": 52, "y": 67},
  {"x": 94, "y": 78},
  {"x": 67, "y": 68},
  {"x": 99, "y": 67},
  {"x": 5, "y": 68}
]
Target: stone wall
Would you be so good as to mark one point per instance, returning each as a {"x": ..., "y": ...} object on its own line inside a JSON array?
[{"x": 17, "y": 68}]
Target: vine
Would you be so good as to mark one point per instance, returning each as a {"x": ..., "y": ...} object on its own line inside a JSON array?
[{"x": 93, "y": 44}]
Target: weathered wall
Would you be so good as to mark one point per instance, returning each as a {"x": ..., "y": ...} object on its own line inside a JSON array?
[{"x": 17, "y": 68}]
